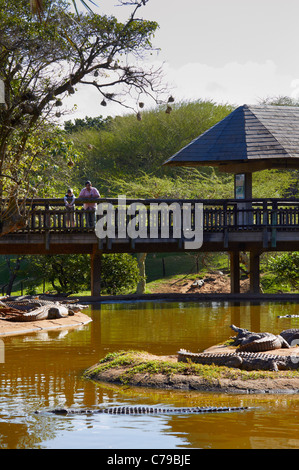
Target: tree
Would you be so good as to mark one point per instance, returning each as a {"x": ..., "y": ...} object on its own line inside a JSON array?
[
  {"x": 67, "y": 273},
  {"x": 120, "y": 273},
  {"x": 37, "y": 6},
  {"x": 71, "y": 273},
  {"x": 13, "y": 265},
  {"x": 286, "y": 267},
  {"x": 41, "y": 62},
  {"x": 97, "y": 123}
]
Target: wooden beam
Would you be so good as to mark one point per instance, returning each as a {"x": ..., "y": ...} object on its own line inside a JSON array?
[
  {"x": 95, "y": 266},
  {"x": 255, "y": 272},
  {"x": 234, "y": 272}
]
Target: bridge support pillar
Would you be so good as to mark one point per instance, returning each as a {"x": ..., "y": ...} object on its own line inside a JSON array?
[
  {"x": 255, "y": 272},
  {"x": 96, "y": 261},
  {"x": 234, "y": 272}
]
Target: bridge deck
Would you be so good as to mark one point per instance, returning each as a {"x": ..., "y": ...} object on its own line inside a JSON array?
[{"x": 158, "y": 226}]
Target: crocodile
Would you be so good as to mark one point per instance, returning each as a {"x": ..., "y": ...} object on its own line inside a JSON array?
[
  {"x": 27, "y": 309},
  {"x": 287, "y": 316},
  {"x": 242, "y": 360},
  {"x": 137, "y": 410},
  {"x": 291, "y": 335},
  {"x": 248, "y": 341}
]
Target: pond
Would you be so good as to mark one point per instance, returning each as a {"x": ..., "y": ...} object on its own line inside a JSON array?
[{"x": 43, "y": 371}]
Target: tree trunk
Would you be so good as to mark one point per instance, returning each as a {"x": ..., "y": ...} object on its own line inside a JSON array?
[{"x": 13, "y": 271}]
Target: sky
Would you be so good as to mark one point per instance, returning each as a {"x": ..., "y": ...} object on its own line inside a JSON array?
[{"x": 229, "y": 51}]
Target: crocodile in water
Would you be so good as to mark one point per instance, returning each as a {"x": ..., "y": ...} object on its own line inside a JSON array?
[
  {"x": 137, "y": 410},
  {"x": 287, "y": 316}
]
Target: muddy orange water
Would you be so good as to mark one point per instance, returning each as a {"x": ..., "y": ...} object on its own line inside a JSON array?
[{"x": 42, "y": 371}]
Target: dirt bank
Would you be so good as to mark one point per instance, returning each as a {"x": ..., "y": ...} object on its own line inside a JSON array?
[
  {"x": 143, "y": 370},
  {"x": 212, "y": 283}
]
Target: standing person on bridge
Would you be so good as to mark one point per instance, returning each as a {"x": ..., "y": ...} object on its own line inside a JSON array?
[
  {"x": 69, "y": 201},
  {"x": 89, "y": 207}
]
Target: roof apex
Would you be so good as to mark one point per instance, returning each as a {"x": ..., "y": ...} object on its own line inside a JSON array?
[{"x": 257, "y": 136}]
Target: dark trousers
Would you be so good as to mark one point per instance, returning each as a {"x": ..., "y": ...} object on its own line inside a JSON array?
[{"x": 90, "y": 218}]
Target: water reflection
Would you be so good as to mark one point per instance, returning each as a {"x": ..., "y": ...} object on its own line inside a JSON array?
[
  {"x": 163, "y": 328},
  {"x": 43, "y": 371}
]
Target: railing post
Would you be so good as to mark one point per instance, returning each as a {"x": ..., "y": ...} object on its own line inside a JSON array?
[
  {"x": 47, "y": 217},
  {"x": 265, "y": 224},
  {"x": 47, "y": 226},
  {"x": 33, "y": 217},
  {"x": 225, "y": 225},
  {"x": 274, "y": 224}
]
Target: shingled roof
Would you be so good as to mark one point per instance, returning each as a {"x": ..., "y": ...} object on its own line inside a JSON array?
[{"x": 250, "y": 138}]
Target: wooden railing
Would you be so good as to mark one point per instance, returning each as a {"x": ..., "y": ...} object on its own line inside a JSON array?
[{"x": 44, "y": 215}]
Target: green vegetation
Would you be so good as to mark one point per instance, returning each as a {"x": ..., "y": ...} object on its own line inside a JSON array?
[
  {"x": 120, "y": 155},
  {"x": 281, "y": 272},
  {"x": 42, "y": 63},
  {"x": 67, "y": 274},
  {"x": 120, "y": 273}
]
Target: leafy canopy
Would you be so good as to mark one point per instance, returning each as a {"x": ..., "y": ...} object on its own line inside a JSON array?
[{"x": 42, "y": 62}]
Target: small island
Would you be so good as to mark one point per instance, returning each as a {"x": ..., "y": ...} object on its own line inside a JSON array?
[{"x": 274, "y": 370}]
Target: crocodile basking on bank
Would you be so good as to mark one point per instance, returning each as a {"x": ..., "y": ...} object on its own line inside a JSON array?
[
  {"x": 248, "y": 354},
  {"x": 242, "y": 360},
  {"x": 291, "y": 336},
  {"x": 137, "y": 410},
  {"x": 28, "y": 308},
  {"x": 248, "y": 341}
]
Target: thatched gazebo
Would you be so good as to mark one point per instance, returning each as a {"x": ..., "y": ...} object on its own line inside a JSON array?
[{"x": 249, "y": 139}]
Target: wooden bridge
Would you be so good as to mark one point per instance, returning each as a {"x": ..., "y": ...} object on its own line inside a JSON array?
[{"x": 228, "y": 225}]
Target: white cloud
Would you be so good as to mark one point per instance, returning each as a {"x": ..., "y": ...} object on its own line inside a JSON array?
[
  {"x": 234, "y": 83},
  {"x": 295, "y": 87}
]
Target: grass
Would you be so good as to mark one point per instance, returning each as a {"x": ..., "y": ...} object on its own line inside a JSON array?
[
  {"x": 163, "y": 265},
  {"x": 131, "y": 363}
]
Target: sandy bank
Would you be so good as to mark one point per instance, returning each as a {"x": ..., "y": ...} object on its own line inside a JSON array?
[{"x": 8, "y": 328}]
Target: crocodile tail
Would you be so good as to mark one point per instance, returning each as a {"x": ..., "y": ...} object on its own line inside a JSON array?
[
  {"x": 133, "y": 410},
  {"x": 283, "y": 341},
  {"x": 199, "y": 358}
]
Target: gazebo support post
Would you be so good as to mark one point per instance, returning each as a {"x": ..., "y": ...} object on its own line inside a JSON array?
[
  {"x": 248, "y": 185},
  {"x": 235, "y": 272},
  {"x": 243, "y": 190}
]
